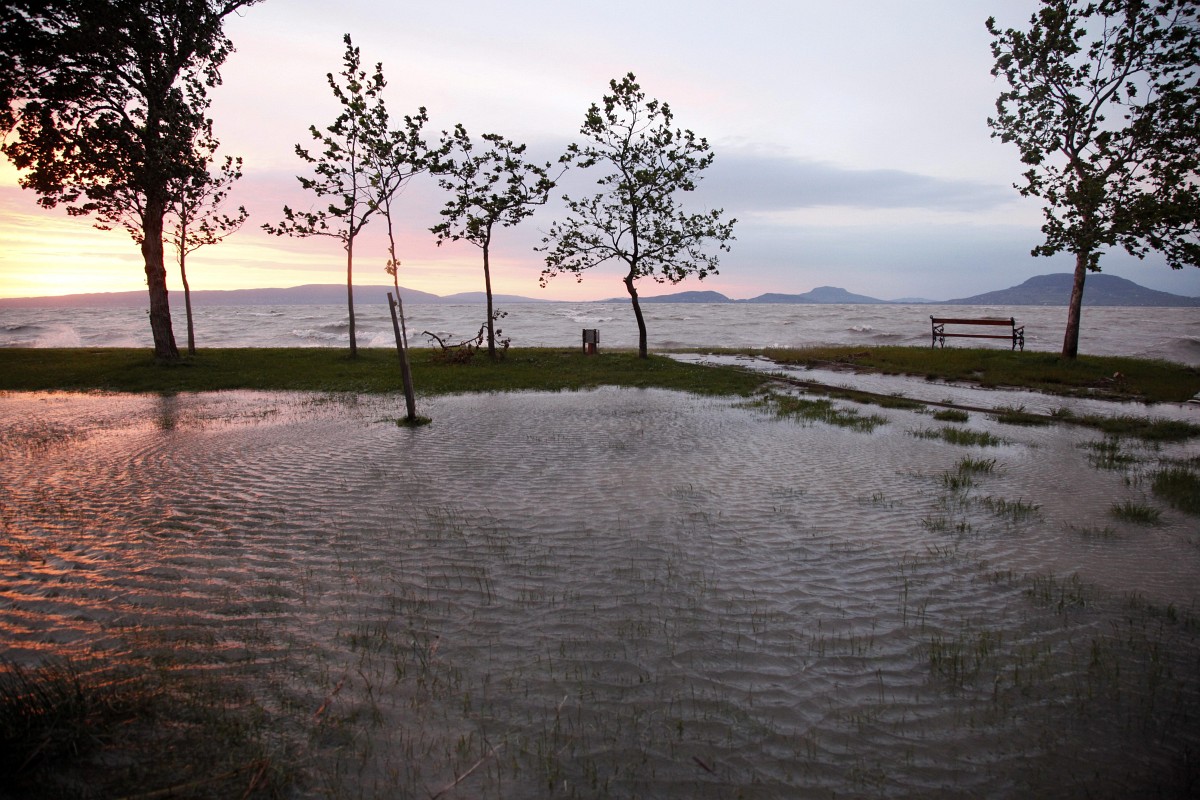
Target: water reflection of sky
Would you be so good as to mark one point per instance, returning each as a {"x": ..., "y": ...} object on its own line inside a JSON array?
[
  {"x": 964, "y": 394},
  {"x": 626, "y": 580}
]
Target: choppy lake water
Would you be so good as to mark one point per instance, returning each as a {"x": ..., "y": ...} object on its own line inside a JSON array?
[
  {"x": 1168, "y": 333},
  {"x": 622, "y": 593}
]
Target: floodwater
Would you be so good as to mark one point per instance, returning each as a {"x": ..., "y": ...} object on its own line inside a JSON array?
[{"x": 626, "y": 593}]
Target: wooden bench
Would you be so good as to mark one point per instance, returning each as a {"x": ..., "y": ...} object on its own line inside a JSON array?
[{"x": 1016, "y": 334}]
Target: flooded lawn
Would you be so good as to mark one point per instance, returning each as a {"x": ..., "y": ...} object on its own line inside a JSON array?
[{"x": 623, "y": 593}]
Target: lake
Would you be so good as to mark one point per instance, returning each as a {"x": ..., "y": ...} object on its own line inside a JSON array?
[{"x": 1168, "y": 333}]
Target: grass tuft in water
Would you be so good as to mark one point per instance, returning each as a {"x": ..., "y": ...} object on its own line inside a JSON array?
[
  {"x": 1019, "y": 416},
  {"x": 960, "y": 659},
  {"x": 64, "y": 725},
  {"x": 1093, "y": 532},
  {"x": 805, "y": 409},
  {"x": 1140, "y": 513},
  {"x": 962, "y": 477},
  {"x": 1049, "y": 591},
  {"x": 1151, "y": 381},
  {"x": 1179, "y": 486},
  {"x": 976, "y": 466},
  {"x": 1018, "y": 511},
  {"x": 1108, "y": 454},
  {"x": 1150, "y": 430},
  {"x": 897, "y": 401},
  {"x": 961, "y": 436},
  {"x": 45, "y": 713},
  {"x": 951, "y": 415}
]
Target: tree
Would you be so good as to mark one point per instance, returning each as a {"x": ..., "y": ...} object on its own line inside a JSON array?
[
  {"x": 105, "y": 97},
  {"x": 198, "y": 218},
  {"x": 1104, "y": 107},
  {"x": 497, "y": 186},
  {"x": 636, "y": 219},
  {"x": 391, "y": 163},
  {"x": 342, "y": 167}
]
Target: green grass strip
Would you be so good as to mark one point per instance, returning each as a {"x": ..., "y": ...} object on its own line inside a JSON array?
[{"x": 375, "y": 370}]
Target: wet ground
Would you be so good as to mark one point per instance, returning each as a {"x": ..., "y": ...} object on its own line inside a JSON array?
[{"x": 628, "y": 593}]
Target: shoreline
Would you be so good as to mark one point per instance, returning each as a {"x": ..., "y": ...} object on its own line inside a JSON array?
[{"x": 699, "y": 370}]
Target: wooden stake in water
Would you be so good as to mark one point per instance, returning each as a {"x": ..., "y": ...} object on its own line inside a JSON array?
[{"x": 405, "y": 372}]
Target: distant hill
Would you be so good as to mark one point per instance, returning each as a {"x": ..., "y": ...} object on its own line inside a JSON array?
[
  {"x": 1055, "y": 290},
  {"x": 311, "y": 294},
  {"x": 678, "y": 297},
  {"x": 465, "y": 298},
  {"x": 1043, "y": 290},
  {"x": 822, "y": 295}
]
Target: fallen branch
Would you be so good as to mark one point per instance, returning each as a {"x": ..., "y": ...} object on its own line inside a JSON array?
[{"x": 450, "y": 786}]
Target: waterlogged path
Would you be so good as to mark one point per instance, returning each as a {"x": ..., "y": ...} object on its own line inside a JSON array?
[{"x": 622, "y": 593}]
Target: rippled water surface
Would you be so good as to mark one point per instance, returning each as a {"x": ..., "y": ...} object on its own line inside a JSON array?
[
  {"x": 1167, "y": 333},
  {"x": 622, "y": 593}
]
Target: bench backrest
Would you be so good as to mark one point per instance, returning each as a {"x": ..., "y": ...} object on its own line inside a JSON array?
[{"x": 944, "y": 320}]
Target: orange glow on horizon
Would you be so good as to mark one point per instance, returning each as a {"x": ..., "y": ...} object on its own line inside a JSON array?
[{"x": 45, "y": 253}]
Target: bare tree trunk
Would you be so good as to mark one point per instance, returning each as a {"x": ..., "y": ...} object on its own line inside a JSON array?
[
  {"x": 187, "y": 304},
  {"x": 487, "y": 285},
  {"x": 637, "y": 312},
  {"x": 350, "y": 294},
  {"x": 156, "y": 282},
  {"x": 187, "y": 290},
  {"x": 400, "y": 308},
  {"x": 1075, "y": 308},
  {"x": 410, "y": 400}
]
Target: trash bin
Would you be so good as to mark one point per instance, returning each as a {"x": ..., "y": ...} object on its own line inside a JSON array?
[{"x": 591, "y": 339}]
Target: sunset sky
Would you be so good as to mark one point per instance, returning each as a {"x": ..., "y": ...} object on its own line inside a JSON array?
[{"x": 851, "y": 144}]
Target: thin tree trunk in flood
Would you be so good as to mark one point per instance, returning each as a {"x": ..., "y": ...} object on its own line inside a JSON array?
[
  {"x": 350, "y": 294},
  {"x": 487, "y": 285},
  {"x": 637, "y": 312}
]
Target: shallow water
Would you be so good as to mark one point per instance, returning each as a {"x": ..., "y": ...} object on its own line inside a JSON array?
[{"x": 620, "y": 592}]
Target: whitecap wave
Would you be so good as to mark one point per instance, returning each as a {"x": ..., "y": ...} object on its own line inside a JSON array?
[{"x": 318, "y": 335}]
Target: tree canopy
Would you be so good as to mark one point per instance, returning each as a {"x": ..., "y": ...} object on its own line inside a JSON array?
[
  {"x": 1104, "y": 107},
  {"x": 197, "y": 217},
  {"x": 637, "y": 218},
  {"x": 496, "y": 186},
  {"x": 106, "y": 98},
  {"x": 361, "y": 163}
]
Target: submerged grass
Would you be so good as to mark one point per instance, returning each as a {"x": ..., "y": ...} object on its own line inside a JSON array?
[
  {"x": 71, "y": 730},
  {"x": 1109, "y": 454},
  {"x": 821, "y": 410},
  {"x": 1150, "y": 430},
  {"x": 961, "y": 436},
  {"x": 1107, "y": 376},
  {"x": 1017, "y": 511},
  {"x": 1179, "y": 486},
  {"x": 1019, "y": 416},
  {"x": 1140, "y": 513},
  {"x": 962, "y": 477}
]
